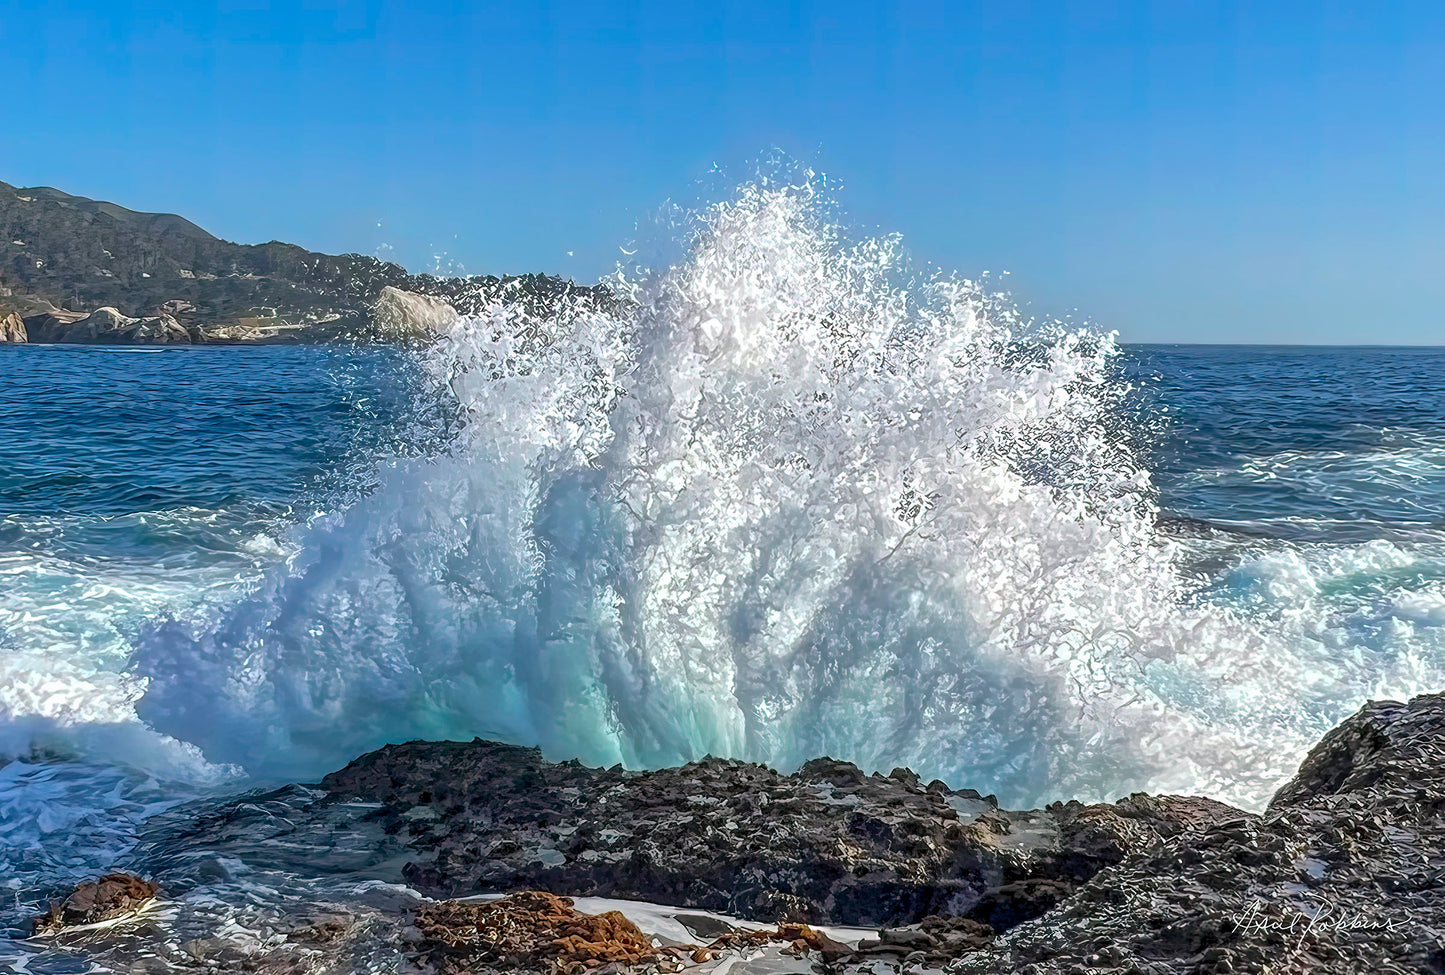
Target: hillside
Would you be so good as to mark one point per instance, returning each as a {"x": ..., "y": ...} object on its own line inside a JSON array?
[{"x": 65, "y": 253}]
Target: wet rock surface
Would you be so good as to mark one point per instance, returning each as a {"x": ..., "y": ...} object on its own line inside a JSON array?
[
  {"x": 113, "y": 896},
  {"x": 1343, "y": 874},
  {"x": 928, "y": 945},
  {"x": 827, "y": 844}
]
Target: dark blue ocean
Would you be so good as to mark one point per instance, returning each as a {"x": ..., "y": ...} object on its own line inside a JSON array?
[
  {"x": 1300, "y": 443},
  {"x": 1296, "y": 443}
]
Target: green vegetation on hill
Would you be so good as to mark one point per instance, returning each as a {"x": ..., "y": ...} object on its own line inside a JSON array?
[{"x": 77, "y": 254}]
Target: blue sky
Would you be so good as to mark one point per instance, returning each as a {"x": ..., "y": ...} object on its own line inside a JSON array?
[{"x": 1267, "y": 171}]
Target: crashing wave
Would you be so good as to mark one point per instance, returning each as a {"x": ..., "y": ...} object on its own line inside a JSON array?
[{"x": 786, "y": 497}]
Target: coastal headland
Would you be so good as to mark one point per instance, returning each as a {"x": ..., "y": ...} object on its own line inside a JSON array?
[{"x": 80, "y": 271}]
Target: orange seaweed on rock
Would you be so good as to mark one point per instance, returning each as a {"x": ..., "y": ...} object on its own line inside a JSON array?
[
  {"x": 112, "y": 896},
  {"x": 530, "y": 928}
]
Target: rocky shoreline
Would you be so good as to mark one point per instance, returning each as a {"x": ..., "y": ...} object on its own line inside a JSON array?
[
  {"x": 1342, "y": 873},
  {"x": 395, "y": 316}
]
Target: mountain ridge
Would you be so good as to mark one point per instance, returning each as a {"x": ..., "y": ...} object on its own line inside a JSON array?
[{"x": 169, "y": 222}]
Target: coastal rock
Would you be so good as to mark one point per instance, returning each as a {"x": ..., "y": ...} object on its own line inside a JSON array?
[
  {"x": 106, "y": 326},
  {"x": 12, "y": 329},
  {"x": 1340, "y": 875},
  {"x": 255, "y": 331},
  {"x": 928, "y": 945},
  {"x": 112, "y": 896},
  {"x": 400, "y": 315},
  {"x": 827, "y": 844},
  {"x": 44, "y": 325},
  {"x": 1010, "y": 905}
]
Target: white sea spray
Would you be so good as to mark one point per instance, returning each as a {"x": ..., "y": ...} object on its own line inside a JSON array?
[{"x": 790, "y": 497}]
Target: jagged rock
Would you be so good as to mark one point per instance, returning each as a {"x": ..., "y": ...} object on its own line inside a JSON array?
[
  {"x": 112, "y": 896},
  {"x": 106, "y": 326},
  {"x": 928, "y": 945},
  {"x": 1012, "y": 904},
  {"x": 257, "y": 331},
  {"x": 1099, "y": 835},
  {"x": 12, "y": 329},
  {"x": 828, "y": 844},
  {"x": 400, "y": 315},
  {"x": 1341, "y": 875}
]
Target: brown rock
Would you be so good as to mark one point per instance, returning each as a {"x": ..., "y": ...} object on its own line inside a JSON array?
[{"x": 112, "y": 896}]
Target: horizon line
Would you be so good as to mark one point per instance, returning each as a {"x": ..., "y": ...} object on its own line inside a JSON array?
[{"x": 1288, "y": 345}]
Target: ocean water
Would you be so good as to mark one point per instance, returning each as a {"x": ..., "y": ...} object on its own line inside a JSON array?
[{"x": 793, "y": 498}]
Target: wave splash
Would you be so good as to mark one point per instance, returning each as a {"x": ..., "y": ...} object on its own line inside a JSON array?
[{"x": 789, "y": 497}]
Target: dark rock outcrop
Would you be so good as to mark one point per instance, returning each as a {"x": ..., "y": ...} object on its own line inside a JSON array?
[
  {"x": 827, "y": 844},
  {"x": 42, "y": 326},
  {"x": 106, "y": 326},
  {"x": 1343, "y": 874},
  {"x": 928, "y": 945},
  {"x": 112, "y": 896}
]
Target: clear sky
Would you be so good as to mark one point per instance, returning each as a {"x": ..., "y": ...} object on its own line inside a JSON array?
[{"x": 1253, "y": 171}]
